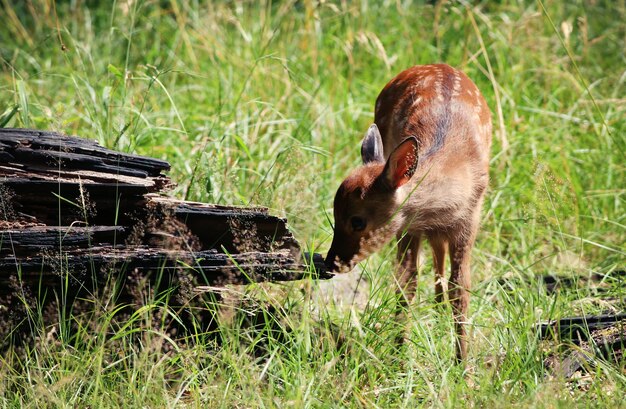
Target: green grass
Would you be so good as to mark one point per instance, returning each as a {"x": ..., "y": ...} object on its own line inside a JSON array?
[{"x": 265, "y": 103}]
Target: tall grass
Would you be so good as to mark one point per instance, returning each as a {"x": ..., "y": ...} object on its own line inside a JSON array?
[{"x": 265, "y": 103}]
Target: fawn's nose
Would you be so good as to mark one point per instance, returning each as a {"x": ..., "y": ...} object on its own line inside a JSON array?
[
  {"x": 330, "y": 263},
  {"x": 341, "y": 252}
]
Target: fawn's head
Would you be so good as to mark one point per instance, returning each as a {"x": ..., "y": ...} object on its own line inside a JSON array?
[{"x": 366, "y": 203}]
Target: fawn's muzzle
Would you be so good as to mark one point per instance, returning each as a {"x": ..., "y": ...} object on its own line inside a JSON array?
[{"x": 341, "y": 253}]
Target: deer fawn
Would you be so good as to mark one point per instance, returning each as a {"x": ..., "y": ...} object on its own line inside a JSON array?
[{"x": 425, "y": 170}]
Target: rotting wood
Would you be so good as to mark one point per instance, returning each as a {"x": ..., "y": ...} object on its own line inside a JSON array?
[
  {"x": 30, "y": 149},
  {"x": 554, "y": 283},
  {"x": 68, "y": 203},
  {"x": 578, "y": 329},
  {"x": 576, "y": 343},
  {"x": 220, "y": 227},
  {"x": 604, "y": 337},
  {"x": 84, "y": 269},
  {"x": 79, "y": 222},
  {"x": 581, "y": 341}
]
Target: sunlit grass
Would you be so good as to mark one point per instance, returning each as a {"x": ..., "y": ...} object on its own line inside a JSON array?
[{"x": 265, "y": 103}]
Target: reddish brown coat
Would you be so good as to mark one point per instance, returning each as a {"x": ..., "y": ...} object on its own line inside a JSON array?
[{"x": 425, "y": 173}]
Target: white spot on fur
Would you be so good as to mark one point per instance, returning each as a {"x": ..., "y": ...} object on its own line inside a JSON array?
[
  {"x": 427, "y": 81},
  {"x": 417, "y": 100},
  {"x": 456, "y": 88},
  {"x": 438, "y": 84}
]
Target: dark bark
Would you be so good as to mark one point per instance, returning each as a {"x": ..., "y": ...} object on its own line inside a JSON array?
[
  {"x": 595, "y": 337},
  {"x": 577, "y": 329},
  {"x": 69, "y": 205}
]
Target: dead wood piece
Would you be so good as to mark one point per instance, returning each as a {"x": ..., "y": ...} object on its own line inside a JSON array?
[
  {"x": 53, "y": 269},
  {"x": 34, "y": 147},
  {"x": 34, "y": 240},
  {"x": 577, "y": 329},
  {"x": 232, "y": 228},
  {"x": 17, "y": 174},
  {"x": 57, "y": 202},
  {"x": 72, "y": 207},
  {"x": 59, "y": 180},
  {"x": 82, "y": 225},
  {"x": 607, "y": 343}
]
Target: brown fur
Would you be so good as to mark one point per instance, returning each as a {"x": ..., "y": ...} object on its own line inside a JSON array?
[{"x": 445, "y": 117}]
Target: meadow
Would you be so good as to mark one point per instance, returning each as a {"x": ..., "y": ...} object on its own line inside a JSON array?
[{"x": 265, "y": 103}]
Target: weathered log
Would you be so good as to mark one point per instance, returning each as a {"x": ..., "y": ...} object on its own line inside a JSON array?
[
  {"x": 69, "y": 202},
  {"x": 577, "y": 329},
  {"x": 231, "y": 228},
  {"x": 79, "y": 222},
  {"x": 52, "y": 178}
]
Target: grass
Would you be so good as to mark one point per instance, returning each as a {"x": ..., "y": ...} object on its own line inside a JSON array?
[{"x": 265, "y": 103}]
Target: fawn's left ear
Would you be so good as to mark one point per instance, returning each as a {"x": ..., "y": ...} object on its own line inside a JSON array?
[
  {"x": 402, "y": 163},
  {"x": 372, "y": 146}
]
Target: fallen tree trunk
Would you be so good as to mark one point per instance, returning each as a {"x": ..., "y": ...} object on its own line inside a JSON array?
[{"x": 75, "y": 216}]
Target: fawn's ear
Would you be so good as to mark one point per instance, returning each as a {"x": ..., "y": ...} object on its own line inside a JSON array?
[
  {"x": 372, "y": 146},
  {"x": 402, "y": 163}
]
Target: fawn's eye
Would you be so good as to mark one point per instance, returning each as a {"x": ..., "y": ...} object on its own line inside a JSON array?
[{"x": 358, "y": 223}]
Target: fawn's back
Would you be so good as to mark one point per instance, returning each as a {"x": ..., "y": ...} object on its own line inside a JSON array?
[
  {"x": 443, "y": 109},
  {"x": 439, "y": 106}
]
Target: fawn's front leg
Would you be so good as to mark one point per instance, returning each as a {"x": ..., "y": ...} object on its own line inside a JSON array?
[
  {"x": 439, "y": 246},
  {"x": 406, "y": 278},
  {"x": 406, "y": 273},
  {"x": 459, "y": 286}
]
